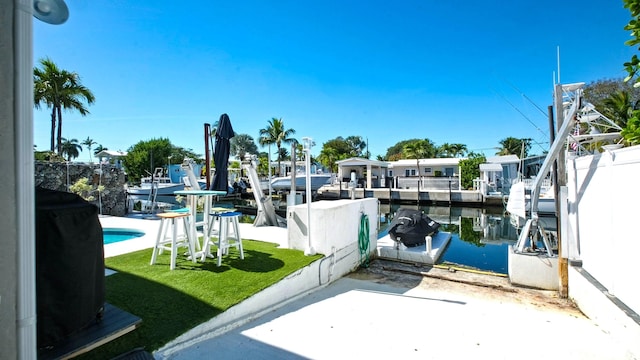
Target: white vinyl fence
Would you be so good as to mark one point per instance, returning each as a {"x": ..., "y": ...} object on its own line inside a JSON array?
[{"x": 604, "y": 219}]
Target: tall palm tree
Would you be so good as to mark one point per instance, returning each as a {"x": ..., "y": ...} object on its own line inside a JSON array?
[
  {"x": 70, "y": 148},
  {"x": 88, "y": 142},
  {"x": 275, "y": 133},
  {"x": 58, "y": 89}
]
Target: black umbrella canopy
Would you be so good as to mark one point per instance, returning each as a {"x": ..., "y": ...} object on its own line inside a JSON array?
[{"x": 224, "y": 132}]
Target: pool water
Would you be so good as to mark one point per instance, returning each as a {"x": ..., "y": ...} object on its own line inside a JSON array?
[{"x": 114, "y": 235}]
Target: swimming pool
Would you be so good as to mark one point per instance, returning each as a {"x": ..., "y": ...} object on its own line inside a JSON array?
[{"x": 113, "y": 235}]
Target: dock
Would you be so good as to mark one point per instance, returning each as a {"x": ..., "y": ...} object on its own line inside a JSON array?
[
  {"x": 427, "y": 253},
  {"x": 423, "y": 196}
]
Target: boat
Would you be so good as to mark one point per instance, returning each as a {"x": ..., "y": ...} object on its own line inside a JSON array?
[
  {"x": 283, "y": 183},
  {"x": 519, "y": 200},
  {"x": 158, "y": 182}
]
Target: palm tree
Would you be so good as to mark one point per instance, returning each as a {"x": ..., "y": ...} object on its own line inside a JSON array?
[
  {"x": 514, "y": 146},
  {"x": 243, "y": 144},
  {"x": 275, "y": 133},
  {"x": 283, "y": 154},
  {"x": 328, "y": 157},
  {"x": 618, "y": 107},
  {"x": 453, "y": 150},
  {"x": 416, "y": 150},
  {"x": 458, "y": 149},
  {"x": 70, "y": 148},
  {"x": 98, "y": 150},
  {"x": 58, "y": 89},
  {"x": 88, "y": 142}
]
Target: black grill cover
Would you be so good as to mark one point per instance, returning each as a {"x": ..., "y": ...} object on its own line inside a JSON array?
[
  {"x": 411, "y": 227},
  {"x": 70, "y": 286}
]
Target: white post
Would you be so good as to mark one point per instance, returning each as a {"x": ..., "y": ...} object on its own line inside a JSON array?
[
  {"x": 269, "y": 163},
  {"x": 308, "y": 143},
  {"x": 428, "y": 244},
  {"x": 26, "y": 286}
]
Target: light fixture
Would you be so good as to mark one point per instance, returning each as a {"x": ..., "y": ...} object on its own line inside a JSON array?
[{"x": 51, "y": 11}]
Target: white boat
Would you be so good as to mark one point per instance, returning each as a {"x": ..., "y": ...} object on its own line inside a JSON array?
[
  {"x": 519, "y": 201},
  {"x": 317, "y": 181},
  {"x": 159, "y": 182}
]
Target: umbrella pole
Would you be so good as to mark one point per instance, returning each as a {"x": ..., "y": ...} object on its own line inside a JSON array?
[{"x": 207, "y": 130}]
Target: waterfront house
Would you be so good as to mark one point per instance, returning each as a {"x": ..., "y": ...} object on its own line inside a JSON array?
[
  {"x": 367, "y": 173},
  {"x": 498, "y": 173},
  {"x": 431, "y": 174},
  {"x": 111, "y": 157}
]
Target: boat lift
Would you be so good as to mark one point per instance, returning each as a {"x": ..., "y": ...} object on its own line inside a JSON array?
[
  {"x": 575, "y": 116},
  {"x": 266, "y": 214}
]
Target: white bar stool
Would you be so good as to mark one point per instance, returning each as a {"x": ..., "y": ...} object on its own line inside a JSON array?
[
  {"x": 174, "y": 241},
  {"x": 228, "y": 235}
]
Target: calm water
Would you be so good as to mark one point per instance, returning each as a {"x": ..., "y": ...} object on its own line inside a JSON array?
[{"x": 479, "y": 237}]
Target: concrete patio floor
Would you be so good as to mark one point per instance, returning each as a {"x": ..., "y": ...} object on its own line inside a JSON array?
[
  {"x": 388, "y": 314},
  {"x": 400, "y": 311}
]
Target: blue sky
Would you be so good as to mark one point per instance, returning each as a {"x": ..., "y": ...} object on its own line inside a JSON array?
[{"x": 466, "y": 71}]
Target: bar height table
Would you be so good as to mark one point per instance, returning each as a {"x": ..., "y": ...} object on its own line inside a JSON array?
[{"x": 193, "y": 196}]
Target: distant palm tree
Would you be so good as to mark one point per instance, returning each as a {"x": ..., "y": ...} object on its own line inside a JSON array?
[
  {"x": 416, "y": 150},
  {"x": 514, "y": 146},
  {"x": 70, "y": 148},
  {"x": 275, "y": 133},
  {"x": 98, "y": 150},
  {"x": 456, "y": 150},
  {"x": 243, "y": 144},
  {"x": 328, "y": 157},
  {"x": 88, "y": 142},
  {"x": 58, "y": 89},
  {"x": 283, "y": 154}
]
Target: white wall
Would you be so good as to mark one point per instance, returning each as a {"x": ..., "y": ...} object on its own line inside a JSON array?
[
  {"x": 334, "y": 229},
  {"x": 603, "y": 201}
]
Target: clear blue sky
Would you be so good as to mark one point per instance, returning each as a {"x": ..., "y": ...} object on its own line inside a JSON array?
[{"x": 470, "y": 72}]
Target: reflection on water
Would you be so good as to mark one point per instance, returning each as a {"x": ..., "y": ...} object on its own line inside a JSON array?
[{"x": 479, "y": 237}]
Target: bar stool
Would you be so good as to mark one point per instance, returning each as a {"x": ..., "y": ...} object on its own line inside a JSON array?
[
  {"x": 228, "y": 235},
  {"x": 174, "y": 241}
]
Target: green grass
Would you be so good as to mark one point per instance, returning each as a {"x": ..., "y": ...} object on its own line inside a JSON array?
[{"x": 172, "y": 302}]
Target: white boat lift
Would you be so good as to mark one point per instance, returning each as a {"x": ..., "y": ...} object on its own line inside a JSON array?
[
  {"x": 527, "y": 261},
  {"x": 266, "y": 214}
]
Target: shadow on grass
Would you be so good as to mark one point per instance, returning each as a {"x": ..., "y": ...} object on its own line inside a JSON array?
[
  {"x": 171, "y": 302},
  {"x": 254, "y": 261},
  {"x": 166, "y": 313}
]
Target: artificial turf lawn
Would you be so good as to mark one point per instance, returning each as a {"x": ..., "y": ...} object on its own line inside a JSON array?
[{"x": 172, "y": 302}]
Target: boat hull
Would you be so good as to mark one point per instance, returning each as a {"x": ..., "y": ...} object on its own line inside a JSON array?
[
  {"x": 284, "y": 183},
  {"x": 163, "y": 189}
]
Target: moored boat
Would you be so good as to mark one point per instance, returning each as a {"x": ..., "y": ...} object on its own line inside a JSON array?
[{"x": 317, "y": 181}]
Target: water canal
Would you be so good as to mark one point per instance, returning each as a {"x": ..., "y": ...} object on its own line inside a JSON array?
[{"x": 480, "y": 237}]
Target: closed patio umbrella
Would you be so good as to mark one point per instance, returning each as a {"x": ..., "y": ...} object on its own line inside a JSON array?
[{"x": 221, "y": 154}]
